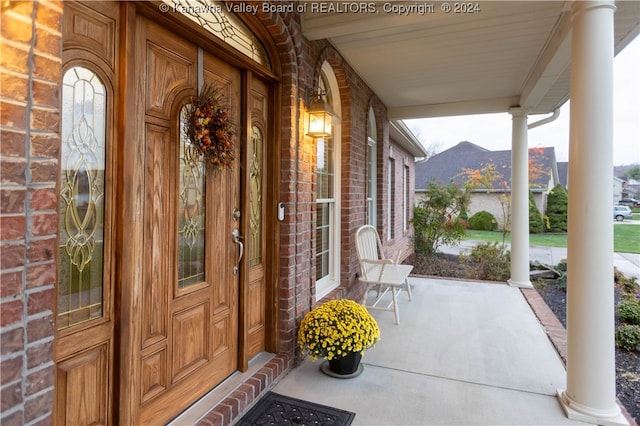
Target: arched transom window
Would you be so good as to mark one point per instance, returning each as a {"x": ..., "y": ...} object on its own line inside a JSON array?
[{"x": 219, "y": 19}]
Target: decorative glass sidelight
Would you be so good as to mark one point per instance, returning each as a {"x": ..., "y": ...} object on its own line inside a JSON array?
[
  {"x": 255, "y": 197},
  {"x": 81, "y": 198},
  {"x": 191, "y": 210},
  {"x": 218, "y": 18}
]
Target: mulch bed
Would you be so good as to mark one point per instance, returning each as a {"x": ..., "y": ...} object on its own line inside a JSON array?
[{"x": 627, "y": 363}]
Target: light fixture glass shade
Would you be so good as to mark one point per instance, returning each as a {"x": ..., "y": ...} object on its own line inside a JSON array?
[{"x": 320, "y": 116}]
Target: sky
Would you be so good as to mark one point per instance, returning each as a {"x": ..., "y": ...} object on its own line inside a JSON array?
[{"x": 493, "y": 131}]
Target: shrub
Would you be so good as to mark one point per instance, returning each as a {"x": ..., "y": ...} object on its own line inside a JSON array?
[
  {"x": 493, "y": 262},
  {"x": 557, "y": 206},
  {"x": 562, "y": 278},
  {"x": 628, "y": 337},
  {"x": 629, "y": 285},
  {"x": 536, "y": 224},
  {"x": 483, "y": 221},
  {"x": 436, "y": 219},
  {"x": 629, "y": 310}
]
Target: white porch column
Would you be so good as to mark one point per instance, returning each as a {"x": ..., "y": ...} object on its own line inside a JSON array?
[
  {"x": 591, "y": 392},
  {"x": 519, "y": 200}
]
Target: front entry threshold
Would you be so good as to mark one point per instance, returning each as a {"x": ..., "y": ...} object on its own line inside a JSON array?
[{"x": 201, "y": 407}]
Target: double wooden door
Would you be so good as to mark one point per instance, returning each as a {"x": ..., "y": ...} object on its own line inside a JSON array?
[{"x": 188, "y": 284}]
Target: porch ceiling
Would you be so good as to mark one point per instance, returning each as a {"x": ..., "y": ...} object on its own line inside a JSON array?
[{"x": 514, "y": 53}]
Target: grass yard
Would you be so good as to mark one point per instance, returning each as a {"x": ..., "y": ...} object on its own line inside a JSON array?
[{"x": 626, "y": 238}]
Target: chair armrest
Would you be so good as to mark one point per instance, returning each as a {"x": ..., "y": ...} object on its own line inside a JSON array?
[
  {"x": 377, "y": 262},
  {"x": 366, "y": 270}
]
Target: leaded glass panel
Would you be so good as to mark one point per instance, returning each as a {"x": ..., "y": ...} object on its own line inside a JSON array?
[
  {"x": 218, "y": 18},
  {"x": 81, "y": 198},
  {"x": 191, "y": 210},
  {"x": 255, "y": 197}
]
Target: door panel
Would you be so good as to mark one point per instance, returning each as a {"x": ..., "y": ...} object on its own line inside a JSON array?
[
  {"x": 190, "y": 339},
  {"x": 82, "y": 383},
  {"x": 189, "y": 317},
  {"x": 157, "y": 219}
]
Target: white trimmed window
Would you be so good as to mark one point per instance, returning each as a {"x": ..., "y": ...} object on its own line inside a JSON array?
[
  {"x": 391, "y": 211},
  {"x": 372, "y": 160},
  {"x": 406, "y": 205},
  {"x": 328, "y": 194}
]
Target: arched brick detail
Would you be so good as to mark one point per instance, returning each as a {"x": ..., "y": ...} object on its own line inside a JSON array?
[{"x": 355, "y": 98}]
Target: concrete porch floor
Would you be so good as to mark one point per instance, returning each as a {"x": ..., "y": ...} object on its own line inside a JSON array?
[{"x": 464, "y": 353}]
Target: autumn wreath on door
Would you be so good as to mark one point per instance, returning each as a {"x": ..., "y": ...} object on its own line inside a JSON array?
[{"x": 209, "y": 127}]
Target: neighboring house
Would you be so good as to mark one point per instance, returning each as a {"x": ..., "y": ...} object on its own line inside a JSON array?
[
  {"x": 449, "y": 166},
  {"x": 630, "y": 189},
  {"x": 618, "y": 185},
  {"x": 563, "y": 173}
]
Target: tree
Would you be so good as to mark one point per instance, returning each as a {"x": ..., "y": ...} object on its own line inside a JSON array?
[
  {"x": 536, "y": 222},
  {"x": 536, "y": 166},
  {"x": 488, "y": 177},
  {"x": 557, "y": 206},
  {"x": 436, "y": 219},
  {"x": 633, "y": 173}
]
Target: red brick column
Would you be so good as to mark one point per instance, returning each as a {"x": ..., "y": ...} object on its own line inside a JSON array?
[{"x": 29, "y": 149}]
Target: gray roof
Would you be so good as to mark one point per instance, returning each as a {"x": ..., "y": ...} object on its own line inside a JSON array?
[
  {"x": 448, "y": 165},
  {"x": 563, "y": 172}
]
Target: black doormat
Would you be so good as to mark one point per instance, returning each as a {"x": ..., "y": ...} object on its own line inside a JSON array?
[{"x": 279, "y": 410}]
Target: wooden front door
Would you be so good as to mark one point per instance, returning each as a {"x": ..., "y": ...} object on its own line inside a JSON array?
[
  {"x": 155, "y": 306},
  {"x": 187, "y": 321}
]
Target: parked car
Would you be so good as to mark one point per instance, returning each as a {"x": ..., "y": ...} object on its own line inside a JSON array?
[
  {"x": 629, "y": 202},
  {"x": 621, "y": 213}
]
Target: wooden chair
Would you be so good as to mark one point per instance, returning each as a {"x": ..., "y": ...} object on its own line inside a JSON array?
[{"x": 378, "y": 271}]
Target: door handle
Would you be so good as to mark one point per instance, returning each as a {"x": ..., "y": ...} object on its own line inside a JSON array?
[{"x": 236, "y": 237}]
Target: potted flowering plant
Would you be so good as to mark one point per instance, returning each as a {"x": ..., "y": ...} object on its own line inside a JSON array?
[
  {"x": 209, "y": 127},
  {"x": 339, "y": 331}
]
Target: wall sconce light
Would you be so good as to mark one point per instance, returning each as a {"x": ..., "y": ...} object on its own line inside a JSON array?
[{"x": 320, "y": 116}]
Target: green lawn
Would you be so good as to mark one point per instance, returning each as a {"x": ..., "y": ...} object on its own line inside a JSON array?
[{"x": 626, "y": 238}]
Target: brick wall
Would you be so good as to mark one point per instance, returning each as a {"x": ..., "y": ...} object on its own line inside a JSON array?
[
  {"x": 29, "y": 107},
  {"x": 356, "y": 99},
  {"x": 403, "y": 200}
]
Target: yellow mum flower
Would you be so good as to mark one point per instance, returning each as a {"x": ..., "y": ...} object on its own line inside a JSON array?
[{"x": 337, "y": 328}]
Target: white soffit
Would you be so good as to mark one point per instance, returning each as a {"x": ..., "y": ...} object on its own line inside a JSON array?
[{"x": 504, "y": 54}]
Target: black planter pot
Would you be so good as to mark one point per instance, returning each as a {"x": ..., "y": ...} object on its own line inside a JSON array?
[{"x": 346, "y": 365}]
